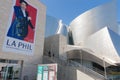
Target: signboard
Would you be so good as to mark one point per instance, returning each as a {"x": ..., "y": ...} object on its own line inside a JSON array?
[
  {"x": 21, "y": 28},
  {"x": 47, "y": 72}
]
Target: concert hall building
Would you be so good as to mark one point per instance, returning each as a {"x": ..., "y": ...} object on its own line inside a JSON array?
[
  {"x": 86, "y": 49},
  {"x": 91, "y": 49}
]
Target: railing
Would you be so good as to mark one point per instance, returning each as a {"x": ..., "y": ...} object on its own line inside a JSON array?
[
  {"x": 98, "y": 70},
  {"x": 76, "y": 65},
  {"x": 87, "y": 70}
]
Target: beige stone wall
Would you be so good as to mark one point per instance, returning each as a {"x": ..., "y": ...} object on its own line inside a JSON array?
[
  {"x": 56, "y": 44},
  {"x": 36, "y": 58},
  {"x": 52, "y": 45},
  {"x": 72, "y": 73},
  {"x": 62, "y": 46}
]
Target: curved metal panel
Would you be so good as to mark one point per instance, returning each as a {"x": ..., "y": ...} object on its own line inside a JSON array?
[
  {"x": 93, "y": 20},
  {"x": 62, "y": 29},
  {"x": 51, "y": 26},
  {"x": 54, "y": 26},
  {"x": 104, "y": 47}
]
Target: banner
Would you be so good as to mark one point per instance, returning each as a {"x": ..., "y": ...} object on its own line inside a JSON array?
[
  {"x": 20, "y": 34},
  {"x": 47, "y": 72}
]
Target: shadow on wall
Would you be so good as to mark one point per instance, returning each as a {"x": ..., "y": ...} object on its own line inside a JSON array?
[{"x": 66, "y": 73}]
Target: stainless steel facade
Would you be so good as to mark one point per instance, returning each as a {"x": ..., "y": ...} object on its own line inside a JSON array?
[
  {"x": 54, "y": 26},
  {"x": 119, "y": 28},
  {"x": 100, "y": 22},
  {"x": 105, "y": 45},
  {"x": 62, "y": 29},
  {"x": 93, "y": 45},
  {"x": 93, "y": 20}
]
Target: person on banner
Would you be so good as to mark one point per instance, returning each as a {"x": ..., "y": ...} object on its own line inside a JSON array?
[{"x": 19, "y": 26}]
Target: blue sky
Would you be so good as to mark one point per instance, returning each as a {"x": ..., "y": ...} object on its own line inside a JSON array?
[{"x": 67, "y": 10}]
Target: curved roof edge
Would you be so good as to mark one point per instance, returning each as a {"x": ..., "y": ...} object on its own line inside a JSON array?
[
  {"x": 116, "y": 40},
  {"x": 102, "y": 5},
  {"x": 105, "y": 44}
]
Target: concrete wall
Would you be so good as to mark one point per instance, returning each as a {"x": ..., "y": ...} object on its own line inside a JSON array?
[
  {"x": 63, "y": 47},
  {"x": 83, "y": 76},
  {"x": 30, "y": 61},
  {"x": 56, "y": 44},
  {"x": 51, "y": 45},
  {"x": 72, "y": 73}
]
